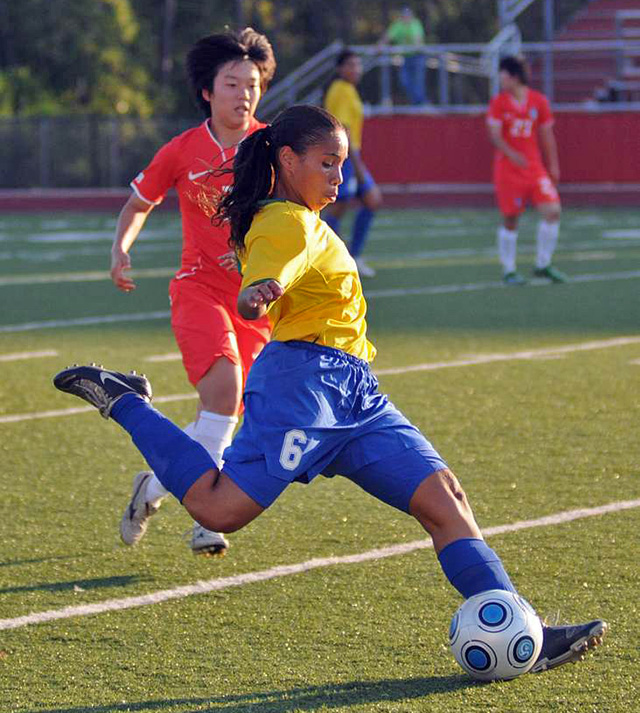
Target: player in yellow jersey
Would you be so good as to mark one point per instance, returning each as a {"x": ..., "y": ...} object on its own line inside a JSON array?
[
  {"x": 343, "y": 101},
  {"x": 312, "y": 404}
]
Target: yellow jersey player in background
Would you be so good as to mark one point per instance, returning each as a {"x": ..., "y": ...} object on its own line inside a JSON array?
[
  {"x": 312, "y": 404},
  {"x": 343, "y": 101}
]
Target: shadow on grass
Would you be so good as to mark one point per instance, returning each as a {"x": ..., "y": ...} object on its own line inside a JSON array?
[
  {"x": 37, "y": 560},
  {"x": 78, "y": 584},
  {"x": 310, "y": 698}
]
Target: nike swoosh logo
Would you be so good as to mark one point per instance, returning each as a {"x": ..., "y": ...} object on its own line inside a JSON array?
[
  {"x": 104, "y": 376},
  {"x": 192, "y": 176}
]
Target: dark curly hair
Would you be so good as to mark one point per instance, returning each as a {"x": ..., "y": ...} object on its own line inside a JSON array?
[
  {"x": 207, "y": 56},
  {"x": 516, "y": 67},
  {"x": 255, "y": 167}
]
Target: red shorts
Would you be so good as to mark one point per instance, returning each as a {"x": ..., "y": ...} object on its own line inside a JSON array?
[
  {"x": 515, "y": 190},
  {"x": 207, "y": 326}
]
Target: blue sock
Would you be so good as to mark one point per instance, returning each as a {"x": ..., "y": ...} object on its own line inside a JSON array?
[
  {"x": 360, "y": 230},
  {"x": 473, "y": 567},
  {"x": 333, "y": 223},
  {"x": 177, "y": 460}
]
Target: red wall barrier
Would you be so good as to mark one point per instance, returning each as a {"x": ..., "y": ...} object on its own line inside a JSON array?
[
  {"x": 593, "y": 148},
  {"x": 448, "y": 159}
]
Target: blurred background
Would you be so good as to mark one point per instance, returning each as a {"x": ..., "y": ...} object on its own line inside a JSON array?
[{"x": 89, "y": 89}]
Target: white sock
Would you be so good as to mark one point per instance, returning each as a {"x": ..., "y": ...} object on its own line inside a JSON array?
[
  {"x": 507, "y": 246},
  {"x": 214, "y": 431},
  {"x": 547, "y": 239},
  {"x": 155, "y": 489}
]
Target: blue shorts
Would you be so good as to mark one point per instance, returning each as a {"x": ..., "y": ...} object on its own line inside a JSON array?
[
  {"x": 313, "y": 410},
  {"x": 350, "y": 186}
]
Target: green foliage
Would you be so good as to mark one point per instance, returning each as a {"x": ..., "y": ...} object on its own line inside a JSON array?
[{"x": 127, "y": 56}]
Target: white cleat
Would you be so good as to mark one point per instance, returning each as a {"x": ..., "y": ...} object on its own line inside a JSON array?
[
  {"x": 136, "y": 517},
  {"x": 208, "y": 543}
]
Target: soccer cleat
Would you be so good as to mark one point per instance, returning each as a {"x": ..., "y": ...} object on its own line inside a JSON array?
[
  {"x": 550, "y": 273},
  {"x": 514, "y": 278},
  {"x": 208, "y": 543},
  {"x": 101, "y": 387},
  {"x": 136, "y": 517},
  {"x": 568, "y": 644},
  {"x": 363, "y": 269}
]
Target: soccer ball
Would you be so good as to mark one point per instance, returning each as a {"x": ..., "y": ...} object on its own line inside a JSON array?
[{"x": 495, "y": 635}]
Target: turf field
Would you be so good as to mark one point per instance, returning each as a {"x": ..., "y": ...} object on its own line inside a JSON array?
[{"x": 530, "y": 393}]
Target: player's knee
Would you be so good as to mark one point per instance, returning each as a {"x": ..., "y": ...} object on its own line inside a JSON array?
[
  {"x": 440, "y": 502},
  {"x": 373, "y": 199},
  {"x": 553, "y": 214},
  {"x": 223, "y": 397},
  {"x": 510, "y": 222}
]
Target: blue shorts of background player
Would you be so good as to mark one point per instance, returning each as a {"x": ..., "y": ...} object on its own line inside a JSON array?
[
  {"x": 368, "y": 195},
  {"x": 350, "y": 186},
  {"x": 326, "y": 417}
]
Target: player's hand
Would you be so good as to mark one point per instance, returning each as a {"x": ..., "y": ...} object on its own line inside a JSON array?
[
  {"x": 228, "y": 261},
  {"x": 554, "y": 175},
  {"x": 263, "y": 294},
  {"x": 120, "y": 264}
]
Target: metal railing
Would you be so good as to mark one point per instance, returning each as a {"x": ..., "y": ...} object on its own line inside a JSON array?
[
  {"x": 508, "y": 10},
  {"x": 96, "y": 151}
]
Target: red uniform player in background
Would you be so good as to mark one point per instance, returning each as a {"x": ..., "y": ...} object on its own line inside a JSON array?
[
  {"x": 228, "y": 73},
  {"x": 516, "y": 117}
]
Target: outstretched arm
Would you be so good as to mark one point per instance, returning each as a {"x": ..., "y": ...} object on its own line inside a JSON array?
[
  {"x": 550, "y": 150},
  {"x": 130, "y": 221}
]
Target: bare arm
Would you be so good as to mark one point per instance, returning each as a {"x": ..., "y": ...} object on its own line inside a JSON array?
[
  {"x": 550, "y": 151},
  {"x": 253, "y": 300},
  {"x": 130, "y": 221},
  {"x": 495, "y": 136}
]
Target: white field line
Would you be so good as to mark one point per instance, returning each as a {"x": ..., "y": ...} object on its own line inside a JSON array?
[
  {"x": 19, "y": 356},
  {"x": 513, "y": 356},
  {"x": 84, "y": 321},
  {"x": 623, "y": 236},
  {"x": 482, "y": 286},
  {"x": 215, "y": 585},
  {"x": 18, "y": 417},
  {"x": 159, "y": 358},
  {"x": 545, "y": 352},
  {"x": 372, "y": 294},
  {"x": 93, "y": 276}
]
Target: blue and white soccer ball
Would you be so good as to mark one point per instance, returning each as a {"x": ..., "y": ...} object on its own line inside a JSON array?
[{"x": 495, "y": 635}]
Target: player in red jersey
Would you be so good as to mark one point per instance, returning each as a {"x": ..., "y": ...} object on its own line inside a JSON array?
[
  {"x": 228, "y": 73},
  {"x": 516, "y": 117}
]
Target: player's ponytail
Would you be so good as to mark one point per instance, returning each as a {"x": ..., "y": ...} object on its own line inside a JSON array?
[
  {"x": 253, "y": 179},
  {"x": 256, "y": 165}
]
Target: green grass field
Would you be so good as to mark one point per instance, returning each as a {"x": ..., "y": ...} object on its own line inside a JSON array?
[{"x": 530, "y": 393}]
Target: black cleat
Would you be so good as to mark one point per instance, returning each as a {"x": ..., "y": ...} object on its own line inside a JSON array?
[
  {"x": 101, "y": 387},
  {"x": 568, "y": 644}
]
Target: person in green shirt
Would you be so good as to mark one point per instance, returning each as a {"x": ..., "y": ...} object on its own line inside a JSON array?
[{"x": 407, "y": 30}]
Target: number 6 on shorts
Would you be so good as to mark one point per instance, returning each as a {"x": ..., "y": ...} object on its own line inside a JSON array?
[{"x": 291, "y": 453}]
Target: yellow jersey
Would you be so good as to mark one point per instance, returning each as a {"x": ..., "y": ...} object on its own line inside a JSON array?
[
  {"x": 343, "y": 101},
  {"x": 322, "y": 300}
]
